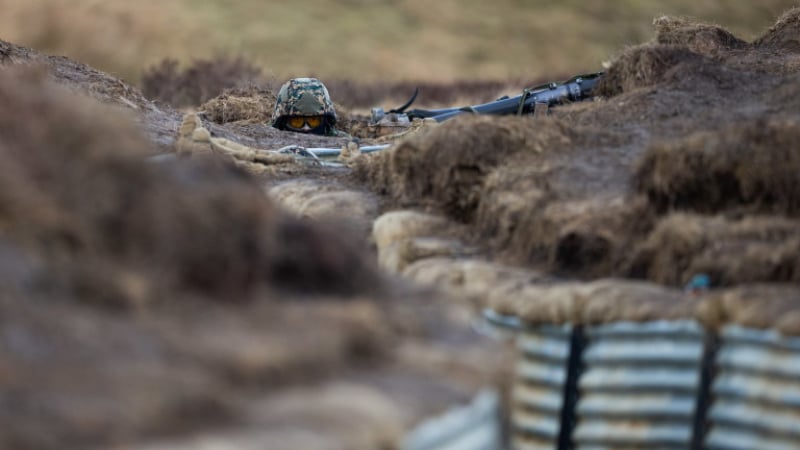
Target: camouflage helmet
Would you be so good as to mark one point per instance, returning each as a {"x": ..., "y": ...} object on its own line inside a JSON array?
[{"x": 303, "y": 97}]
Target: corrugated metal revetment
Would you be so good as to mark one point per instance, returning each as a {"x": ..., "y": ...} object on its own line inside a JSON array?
[
  {"x": 640, "y": 385},
  {"x": 542, "y": 377},
  {"x": 472, "y": 427},
  {"x": 756, "y": 392}
]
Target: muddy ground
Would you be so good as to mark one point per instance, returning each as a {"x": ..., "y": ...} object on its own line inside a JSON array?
[{"x": 171, "y": 304}]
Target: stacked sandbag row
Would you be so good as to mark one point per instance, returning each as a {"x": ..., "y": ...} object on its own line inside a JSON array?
[{"x": 598, "y": 367}]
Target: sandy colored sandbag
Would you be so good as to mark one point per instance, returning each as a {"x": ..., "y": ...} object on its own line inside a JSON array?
[
  {"x": 193, "y": 139},
  {"x": 355, "y": 209},
  {"x": 294, "y": 194},
  {"x": 196, "y": 140},
  {"x": 764, "y": 306},
  {"x": 481, "y": 277},
  {"x": 467, "y": 276},
  {"x": 598, "y": 302},
  {"x": 344, "y": 204},
  {"x": 439, "y": 272},
  {"x": 615, "y": 300},
  {"x": 327, "y": 201},
  {"x": 403, "y": 224},
  {"x": 540, "y": 304},
  {"x": 399, "y": 254}
]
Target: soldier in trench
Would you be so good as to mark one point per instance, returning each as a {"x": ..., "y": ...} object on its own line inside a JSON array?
[{"x": 304, "y": 106}]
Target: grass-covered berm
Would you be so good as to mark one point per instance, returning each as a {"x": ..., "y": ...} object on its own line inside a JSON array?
[{"x": 687, "y": 164}]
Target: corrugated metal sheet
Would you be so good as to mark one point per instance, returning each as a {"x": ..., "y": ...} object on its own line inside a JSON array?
[
  {"x": 640, "y": 385},
  {"x": 472, "y": 427},
  {"x": 756, "y": 391},
  {"x": 538, "y": 392}
]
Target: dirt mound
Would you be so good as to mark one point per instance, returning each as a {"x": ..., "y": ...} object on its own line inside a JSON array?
[
  {"x": 77, "y": 76},
  {"x": 730, "y": 251},
  {"x": 586, "y": 238},
  {"x": 575, "y": 193},
  {"x": 447, "y": 166},
  {"x": 682, "y": 45},
  {"x": 752, "y": 166},
  {"x": 159, "y": 123},
  {"x": 251, "y": 105},
  {"x": 78, "y": 189},
  {"x": 784, "y": 35},
  {"x": 698, "y": 37},
  {"x": 644, "y": 66}
]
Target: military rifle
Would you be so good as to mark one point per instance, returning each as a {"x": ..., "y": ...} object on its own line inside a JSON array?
[{"x": 575, "y": 89}]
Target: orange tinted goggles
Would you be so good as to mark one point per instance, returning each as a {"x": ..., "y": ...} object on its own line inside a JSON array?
[{"x": 299, "y": 122}]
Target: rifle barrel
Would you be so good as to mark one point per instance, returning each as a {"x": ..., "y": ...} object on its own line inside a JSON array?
[{"x": 573, "y": 90}]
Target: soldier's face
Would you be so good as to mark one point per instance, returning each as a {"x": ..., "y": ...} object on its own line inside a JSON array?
[{"x": 305, "y": 124}]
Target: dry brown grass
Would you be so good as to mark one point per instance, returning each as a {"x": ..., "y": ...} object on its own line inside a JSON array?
[
  {"x": 730, "y": 251},
  {"x": 752, "y": 166},
  {"x": 447, "y": 165},
  {"x": 250, "y": 105}
]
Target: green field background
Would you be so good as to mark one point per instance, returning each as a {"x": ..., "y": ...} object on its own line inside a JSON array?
[{"x": 363, "y": 40}]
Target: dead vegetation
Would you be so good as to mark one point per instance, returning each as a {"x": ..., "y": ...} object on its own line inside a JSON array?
[
  {"x": 447, "y": 166},
  {"x": 752, "y": 167},
  {"x": 643, "y": 66},
  {"x": 783, "y": 34},
  {"x": 731, "y": 251},
  {"x": 700, "y": 38},
  {"x": 248, "y": 105}
]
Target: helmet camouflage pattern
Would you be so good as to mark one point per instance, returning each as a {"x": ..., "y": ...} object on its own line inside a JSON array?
[{"x": 303, "y": 97}]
